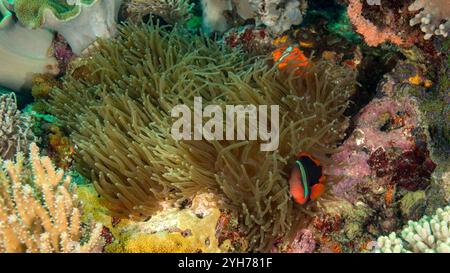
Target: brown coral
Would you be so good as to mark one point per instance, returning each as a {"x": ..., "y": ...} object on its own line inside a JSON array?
[{"x": 124, "y": 140}]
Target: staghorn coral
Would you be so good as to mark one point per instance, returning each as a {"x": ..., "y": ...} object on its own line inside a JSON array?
[
  {"x": 81, "y": 22},
  {"x": 172, "y": 11},
  {"x": 15, "y": 129},
  {"x": 428, "y": 235},
  {"x": 433, "y": 17},
  {"x": 23, "y": 58},
  {"x": 124, "y": 140},
  {"x": 38, "y": 212}
]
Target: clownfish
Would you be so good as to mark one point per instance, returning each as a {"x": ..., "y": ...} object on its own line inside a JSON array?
[
  {"x": 307, "y": 179},
  {"x": 289, "y": 56}
]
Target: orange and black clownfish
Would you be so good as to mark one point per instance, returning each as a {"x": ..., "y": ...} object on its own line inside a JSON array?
[{"x": 307, "y": 179}]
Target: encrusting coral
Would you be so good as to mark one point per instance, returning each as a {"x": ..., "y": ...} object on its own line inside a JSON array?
[
  {"x": 15, "y": 129},
  {"x": 172, "y": 11},
  {"x": 81, "y": 22},
  {"x": 120, "y": 116},
  {"x": 428, "y": 235},
  {"x": 39, "y": 212},
  {"x": 20, "y": 59}
]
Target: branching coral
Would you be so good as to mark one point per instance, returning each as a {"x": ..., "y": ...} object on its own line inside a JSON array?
[
  {"x": 172, "y": 11},
  {"x": 79, "y": 21},
  {"x": 15, "y": 129},
  {"x": 429, "y": 234},
  {"x": 38, "y": 212},
  {"x": 123, "y": 106},
  {"x": 434, "y": 17},
  {"x": 20, "y": 59}
]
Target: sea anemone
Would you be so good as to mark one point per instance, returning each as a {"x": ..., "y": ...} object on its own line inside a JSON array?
[{"x": 121, "y": 122}]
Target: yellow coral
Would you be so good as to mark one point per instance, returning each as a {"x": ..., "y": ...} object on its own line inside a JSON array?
[
  {"x": 170, "y": 230},
  {"x": 38, "y": 211},
  {"x": 192, "y": 235}
]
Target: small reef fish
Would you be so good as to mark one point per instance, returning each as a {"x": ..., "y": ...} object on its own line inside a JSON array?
[
  {"x": 307, "y": 179},
  {"x": 289, "y": 56}
]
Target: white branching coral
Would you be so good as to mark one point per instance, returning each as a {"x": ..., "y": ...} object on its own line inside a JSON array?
[
  {"x": 172, "y": 11},
  {"x": 433, "y": 17},
  {"x": 277, "y": 15},
  {"x": 39, "y": 212},
  {"x": 428, "y": 235},
  {"x": 15, "y": 128}
]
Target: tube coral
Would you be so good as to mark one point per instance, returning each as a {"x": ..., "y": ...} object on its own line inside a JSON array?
[
  {"x": 120, "y": 115},
  {"x": 38, "y": 212},
  {"x": 15, "y": 129},
  {"x": 23, "y": 58}
]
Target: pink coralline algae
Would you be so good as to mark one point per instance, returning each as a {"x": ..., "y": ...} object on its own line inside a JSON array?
[
  {"x": 63, "y": 53},
  {"x": 386, "y": 147},
  {"x": 303, "y": 242}
]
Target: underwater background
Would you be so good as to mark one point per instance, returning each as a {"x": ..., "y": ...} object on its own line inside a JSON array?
[{"x": 88, "y": 162}]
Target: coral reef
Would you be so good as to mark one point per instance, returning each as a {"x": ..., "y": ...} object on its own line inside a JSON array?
[
  {"x": 172, "y": 231},
  {"x": 433, "y": 17},
  {"x": 187, "y": 229},
  {"x": 15, "y": 128},
  {"x": 373, "y": 36},
  {"x": 277, "y": 15},
  {"x": 23, "y": 58},
  {"x": 358, "y": 157},
  {"x": 148, "y": 166},
  {"x": 428, "y": 235},
  {"x": 172, "y": 11},
  {"x": 252, "y": 40},
  {"x": 38, "y": 211},
  {"x": 303, "y": 242},
  {"x": 80, "y": 22}
]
